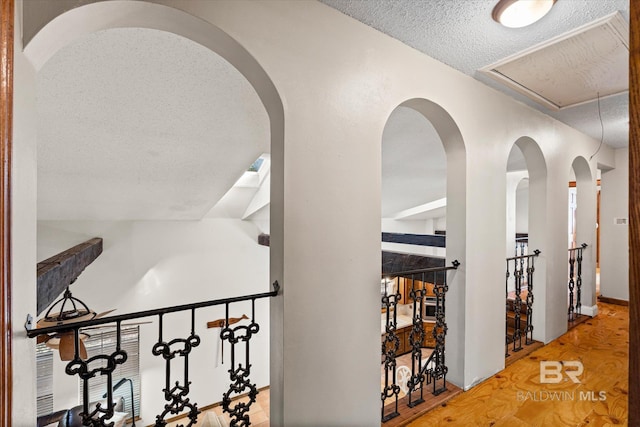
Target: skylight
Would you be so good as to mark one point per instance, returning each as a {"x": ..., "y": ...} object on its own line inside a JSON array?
[{"x": 255, "y": 166}]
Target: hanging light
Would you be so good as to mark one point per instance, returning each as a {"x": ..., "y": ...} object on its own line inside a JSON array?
[{"x": 520, "y": 13}]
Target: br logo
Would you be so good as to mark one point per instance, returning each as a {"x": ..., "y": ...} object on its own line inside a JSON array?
[{"x": 551, "y": 371}]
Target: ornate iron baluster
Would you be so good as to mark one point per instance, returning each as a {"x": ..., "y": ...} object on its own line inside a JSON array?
[
  {"x": 239, "y": 375},
  {"x": 575, "y": 281},
  {"x": 530, "y": 270},
  {"x": 77, "y": 366},
  {"x": 578, "y": 309},
  {"x": 439, "y": 372},
  {"x": 508, "y": 306},
  {"x": 570, "y": 310},
  {"x": 390, "y": 346},
  {"x": 517, "y": 305},
  {"x": 177, "y": 395},
  {"x": 416, "y": 339}
]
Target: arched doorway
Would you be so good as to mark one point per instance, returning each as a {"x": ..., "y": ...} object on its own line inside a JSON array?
[
  {"x": 526, "y": 218},
  {"x": 423, "y": 194},
  {"x": 581, "y": 240},
  {"x": 71, "y": 26}
]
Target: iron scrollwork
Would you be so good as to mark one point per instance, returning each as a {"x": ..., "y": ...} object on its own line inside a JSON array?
[
  {"x": 176, "y": 395},
  {"x": 390, "y": 347},
  {"x": 99, "y": 415},
  {"x": 575, "y": 281},
  {"x": 239, "y": 375}
]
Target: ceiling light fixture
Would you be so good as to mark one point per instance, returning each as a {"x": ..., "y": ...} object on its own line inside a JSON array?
[{"x": 520, "y": 13}]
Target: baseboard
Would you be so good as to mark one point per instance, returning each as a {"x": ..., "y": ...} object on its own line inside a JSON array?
[
  {"x": 589, "y": 311},
  {"x": 615, "y": 301}
]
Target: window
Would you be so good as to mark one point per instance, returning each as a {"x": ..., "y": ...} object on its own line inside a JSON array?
[
  {"x": 44, "y": 379},
  {"x": 255, "y": 166},
  {"x": 103, "y": 341}
]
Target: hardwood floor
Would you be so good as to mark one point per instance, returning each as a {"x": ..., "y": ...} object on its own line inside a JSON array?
[{"x": 516, "y": 396}]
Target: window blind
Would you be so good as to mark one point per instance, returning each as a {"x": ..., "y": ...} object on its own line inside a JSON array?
[{"x": 44, "y": 379}]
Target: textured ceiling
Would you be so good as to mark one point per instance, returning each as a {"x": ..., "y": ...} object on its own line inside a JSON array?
[
  {"x": 142, "y": 124},
  {"x": 463, "y": 35}
]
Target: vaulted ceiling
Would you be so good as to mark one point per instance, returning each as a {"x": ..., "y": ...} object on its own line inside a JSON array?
[{"x": 142, "y": 124}]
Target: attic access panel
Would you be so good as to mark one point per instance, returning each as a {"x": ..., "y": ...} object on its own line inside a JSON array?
[{"x": 573, "y": 68}]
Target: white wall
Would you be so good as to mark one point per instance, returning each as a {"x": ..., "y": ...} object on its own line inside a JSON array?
[
  {"x": 614, "y": 238},
  {"x": 154, "y": 264},
  {"x": 522, "y": 209},
  {"x": 514, "y": 209},
  {"x": 23, "y": 233}
]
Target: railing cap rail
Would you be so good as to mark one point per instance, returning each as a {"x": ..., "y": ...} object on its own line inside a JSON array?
[
  {"x": 534, "y": 254},
  {"x": 33, "y": 332},
  {"x": 582, "y": 246},
  {"x": 454, "y": 266}
]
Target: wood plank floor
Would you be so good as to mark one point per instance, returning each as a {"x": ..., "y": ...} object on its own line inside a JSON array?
[{"x": 516, "y": 397}]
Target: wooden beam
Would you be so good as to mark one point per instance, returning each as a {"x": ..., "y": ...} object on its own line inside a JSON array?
[
  {"x": 6, "y": 132},
  {"x": 634, "y": 216},
  {"x": 59, "y": 271},
  {"x": 263, "y": 239},
  {"x": 433, "y": 240}
]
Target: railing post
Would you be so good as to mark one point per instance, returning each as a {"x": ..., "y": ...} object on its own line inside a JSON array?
[
  {"x": 506, "y": 318},
  {"x": 575, "y": 281},
  {"x": 416, "y": 339},
  {"x": 439, "y": 333},
  {"x": 530, "y": 270},
  {"x": 390, "y": 346}
]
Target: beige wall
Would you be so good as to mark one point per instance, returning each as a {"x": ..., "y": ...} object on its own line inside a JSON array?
[{"x": 614, "y": 238}]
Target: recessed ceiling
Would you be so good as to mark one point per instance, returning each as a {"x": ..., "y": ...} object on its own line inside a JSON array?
[
  {"x": 463, "y": 35},
  {"x": 142, "y": 124},
  {"x": 573, "y": 68}
]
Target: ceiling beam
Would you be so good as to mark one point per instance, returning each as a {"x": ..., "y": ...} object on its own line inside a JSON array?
[{"x": 59, "y": 271}]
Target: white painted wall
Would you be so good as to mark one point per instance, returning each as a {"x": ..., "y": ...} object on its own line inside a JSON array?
[
  {"x": 339, "y": 88},
  {"x": 514, "y": 208},
  {"x": 148, "y": 265},
  {"x": 23, "y": 233},
  {"x": 522, "y": 208},
  {"x": 614, "y": 238}
]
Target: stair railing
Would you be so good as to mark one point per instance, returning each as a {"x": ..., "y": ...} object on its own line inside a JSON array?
[
  {"x": 171, "y": 349},
  {"x": 434, "y": 369},
  {"x": 520, "y": 265},
  {"x": 575, "y": 281}
]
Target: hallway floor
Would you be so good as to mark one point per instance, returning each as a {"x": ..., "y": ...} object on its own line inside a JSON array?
[{"x": 516, "y": 397}]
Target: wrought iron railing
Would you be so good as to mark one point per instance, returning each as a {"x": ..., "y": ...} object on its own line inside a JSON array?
[
  {"x": 522, "y": 246},
  {"x": 433, "y": 370},
  {"x": 522, "y": 267},
  {"x": 171, "y": 349},
  {"x": 575, "y": 281}
]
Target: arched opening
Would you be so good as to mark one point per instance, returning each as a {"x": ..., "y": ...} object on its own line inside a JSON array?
[
  {"x": 525, "y": 278},
  {"x": 581, "y": 242},
  {"x": 423, "y": 206},
  {"x": 139, "y": 28}
]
